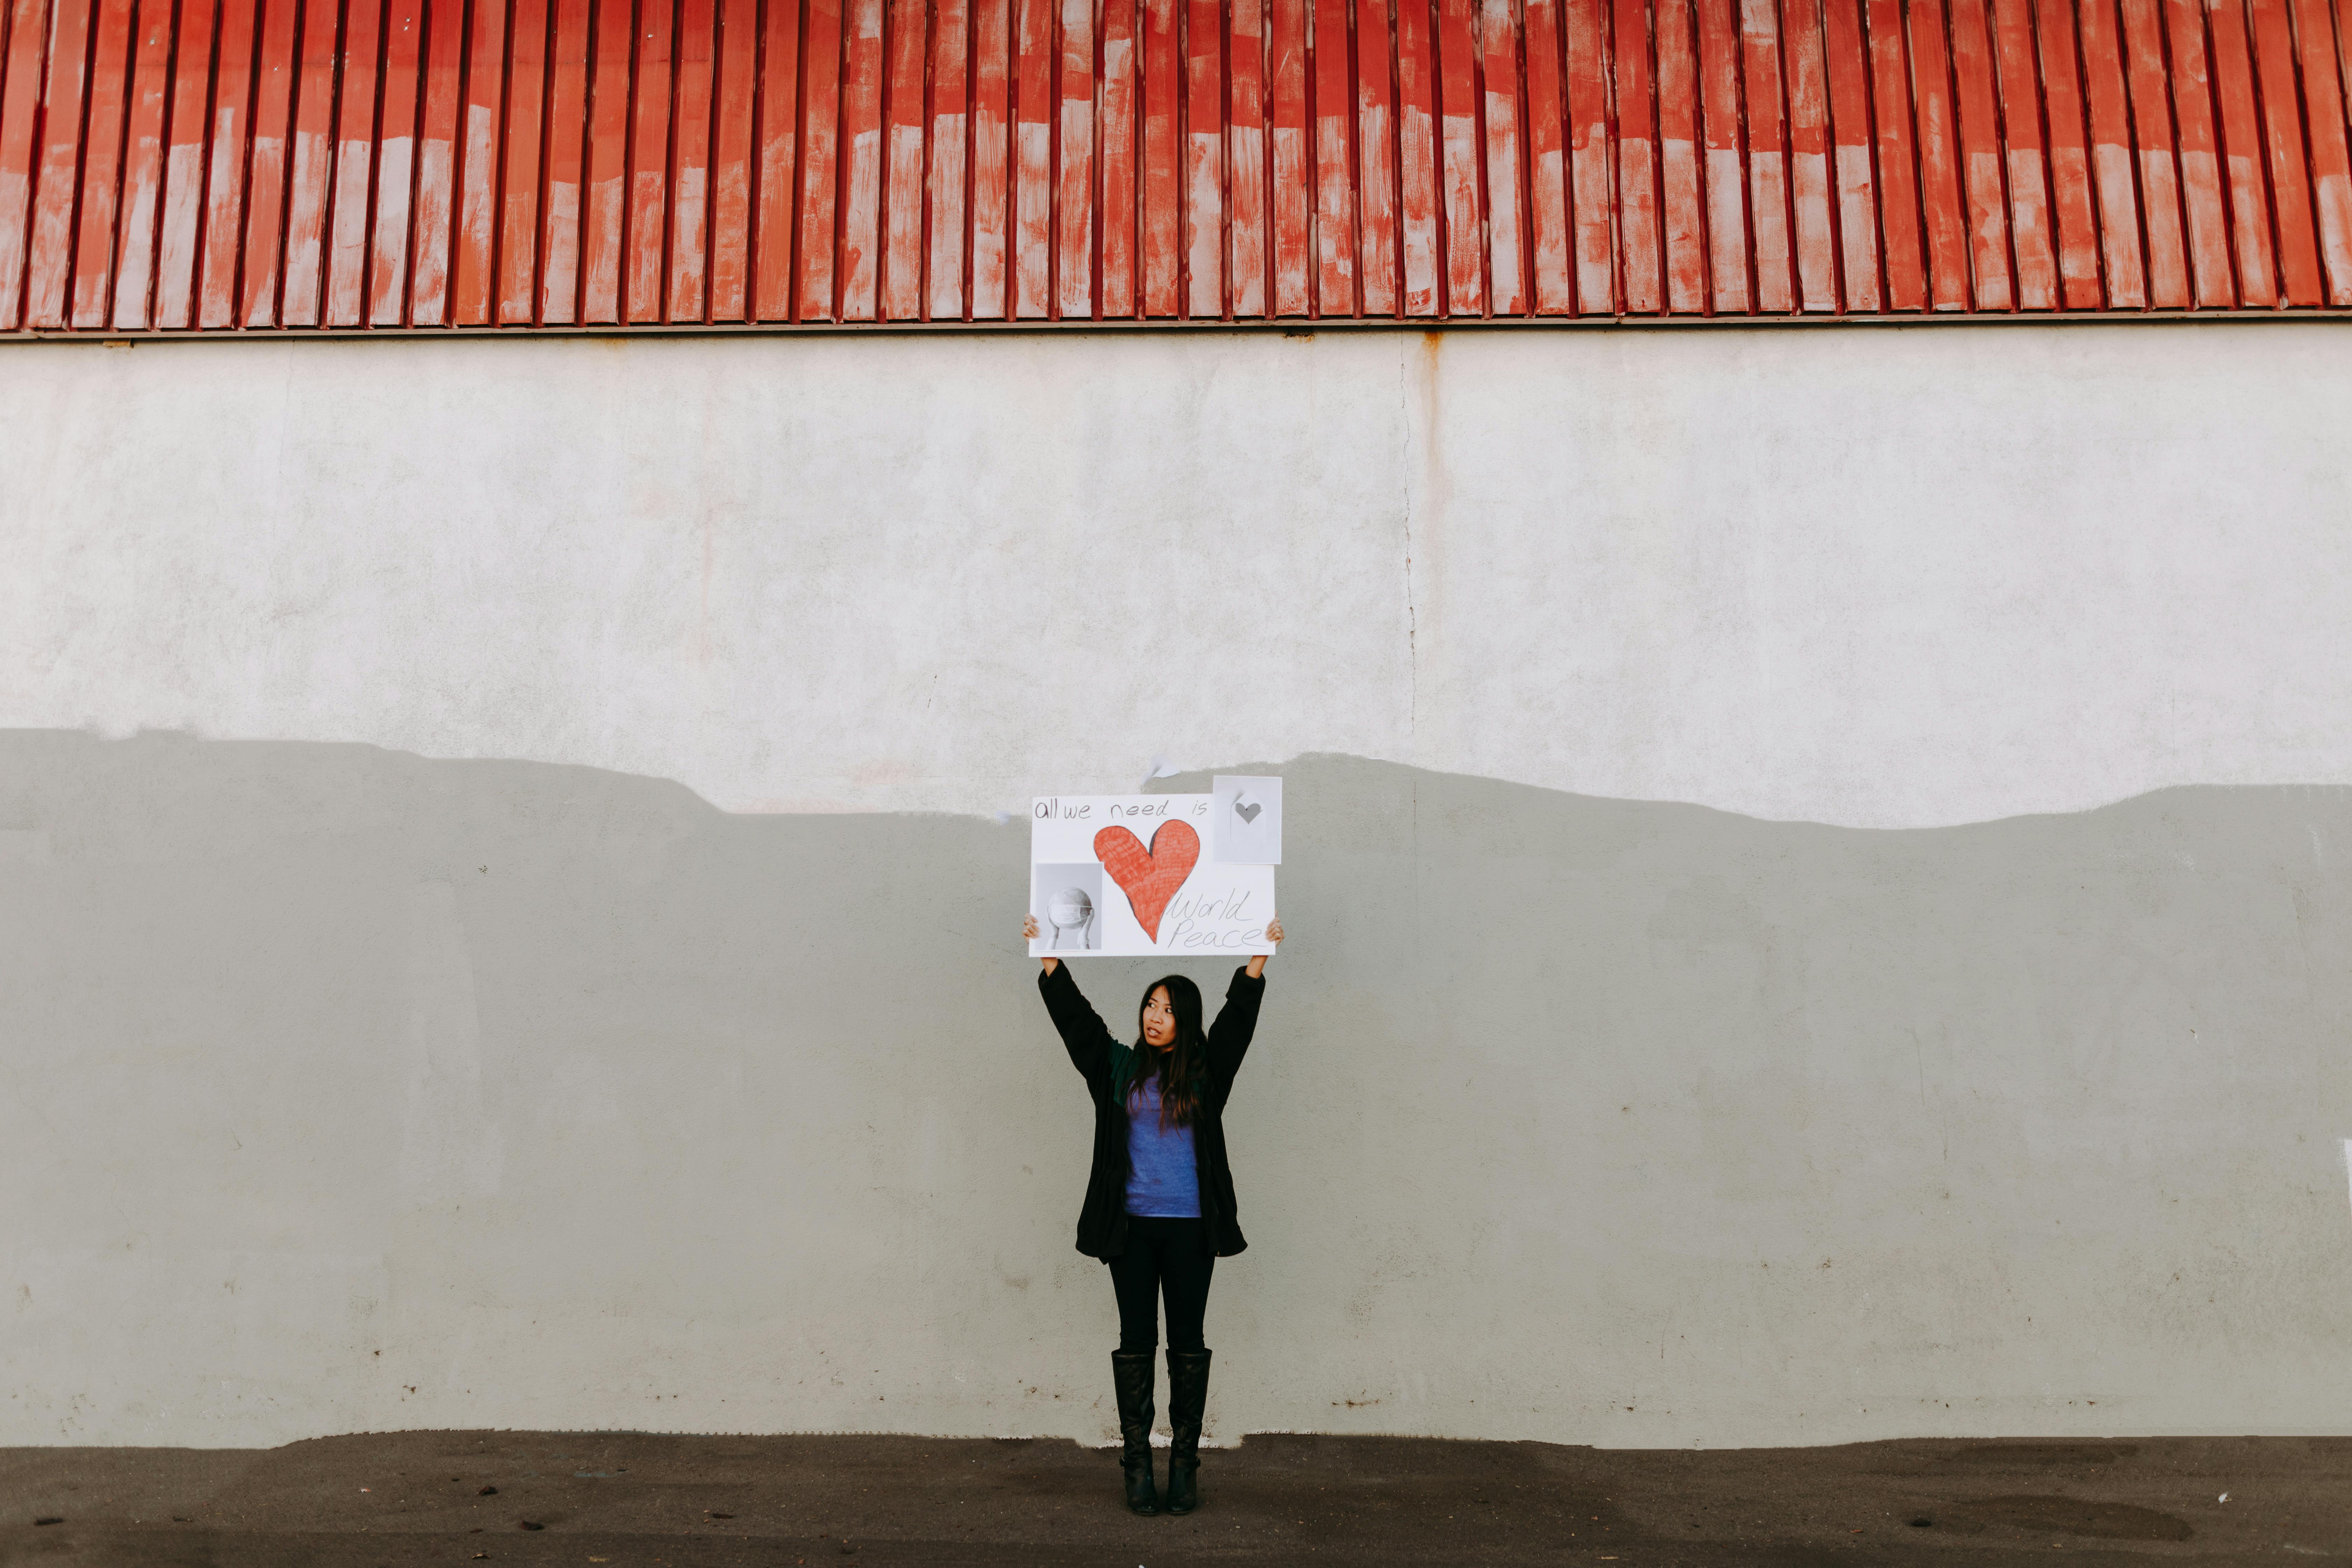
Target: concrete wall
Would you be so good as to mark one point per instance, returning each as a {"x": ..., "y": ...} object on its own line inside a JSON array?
[
  {"x": 1883, "y": 579},
  {"x": 559, "y": 970}
]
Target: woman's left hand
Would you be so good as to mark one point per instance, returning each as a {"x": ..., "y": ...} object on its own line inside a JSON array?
[
  {"x": 1029, "y": 934},
  {"x": 1257, "y": 962}
]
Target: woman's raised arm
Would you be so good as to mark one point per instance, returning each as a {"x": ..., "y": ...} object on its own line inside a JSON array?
[
  {"x": 1075, "y": 1019},
  {"x": 1236, "y": 1021}
]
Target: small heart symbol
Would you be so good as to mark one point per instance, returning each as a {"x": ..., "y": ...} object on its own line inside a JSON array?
[
  {"x": 1148, "y": 877},
  {"x": 1246, "y": 812}
]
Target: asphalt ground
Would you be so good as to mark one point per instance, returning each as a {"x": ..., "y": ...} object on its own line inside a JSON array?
[{"x": 658, "y": 1502}]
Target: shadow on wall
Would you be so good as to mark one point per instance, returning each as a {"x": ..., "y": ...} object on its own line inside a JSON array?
[{"x": 347, "y": 1089}]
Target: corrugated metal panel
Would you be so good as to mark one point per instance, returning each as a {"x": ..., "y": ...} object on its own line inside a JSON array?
[{"x": 217, "y": 166}]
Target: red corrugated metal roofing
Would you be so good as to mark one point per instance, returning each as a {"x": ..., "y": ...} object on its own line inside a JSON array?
[{"x": 242, "y": 164}]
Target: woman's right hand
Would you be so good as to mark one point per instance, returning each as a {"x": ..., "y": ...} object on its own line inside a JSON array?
[{"x": 1029, "y": 934}]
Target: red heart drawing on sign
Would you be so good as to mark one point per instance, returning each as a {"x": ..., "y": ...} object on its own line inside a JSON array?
[{"x": 1148, "y": 877}]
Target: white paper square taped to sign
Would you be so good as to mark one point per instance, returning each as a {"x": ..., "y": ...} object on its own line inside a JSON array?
[
  {"x": 1249, "y": 819},
  {"x": 1128, "y": 876}
]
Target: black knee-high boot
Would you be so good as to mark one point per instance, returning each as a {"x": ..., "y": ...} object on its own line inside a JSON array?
[
  {"x": 1188, "y": 1396},
  {"x": 1131, "y": 1374}
]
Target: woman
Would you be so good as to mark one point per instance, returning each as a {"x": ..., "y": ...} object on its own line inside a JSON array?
[{"x": 1159, "y": 1204}]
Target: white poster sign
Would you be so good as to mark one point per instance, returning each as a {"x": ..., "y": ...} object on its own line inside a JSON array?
[{"x": 1137, "y": 875}]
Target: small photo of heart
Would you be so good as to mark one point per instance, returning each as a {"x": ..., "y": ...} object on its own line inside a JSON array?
[
  {"x": 1246, "y": 812},
  {"x": 1148, "y": 877}
]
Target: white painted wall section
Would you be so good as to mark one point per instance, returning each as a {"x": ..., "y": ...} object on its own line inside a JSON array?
[{"x": 1883, "y": 578}]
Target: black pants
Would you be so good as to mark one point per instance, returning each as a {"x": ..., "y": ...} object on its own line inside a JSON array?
[{"x": 1163, "y": 1257}]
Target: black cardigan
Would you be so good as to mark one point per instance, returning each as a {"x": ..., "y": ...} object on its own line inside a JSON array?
[{"x": 1102, "y": 1221}]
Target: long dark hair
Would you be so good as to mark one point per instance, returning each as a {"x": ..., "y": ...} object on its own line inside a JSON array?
[{"x": 1185, "y": 1062}]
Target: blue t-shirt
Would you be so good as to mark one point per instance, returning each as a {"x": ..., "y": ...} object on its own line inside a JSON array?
[{"x": 1163, "y": 1180}]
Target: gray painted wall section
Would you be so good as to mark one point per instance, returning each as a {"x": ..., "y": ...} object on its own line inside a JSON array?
[{"x": 345, "y": 1089}]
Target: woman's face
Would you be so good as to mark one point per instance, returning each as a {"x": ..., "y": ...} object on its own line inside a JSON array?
[{"x": 1159, "y": 1020}]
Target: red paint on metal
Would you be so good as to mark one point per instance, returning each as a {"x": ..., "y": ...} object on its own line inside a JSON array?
[
  {"x": 1945, "y": 219},
  {"x": 1074, "y": 188},
  {"x": 734, "y": 89},
  {"x": 1119, "y": 67},
  {"x": 2156, "y": 147},
  {"x": 1767, "y": 173},
  {"x": 1246, "y": 160},
  {"x": 1981, "y": 158},
  {"x": 20, "y": 102},
  {"x": 992, "y": 126},
  {"x": 1418, "y": 159},
  {"x": 950, "y": 120},
  {"x": 1588, "y": 139},
  {"x": 403, "y": 48},
  {"x": 51, "y": 246},
  {"x": 142, "y": 171},
  {"x": 1376, "y": 158},
  {"x": 2249, "y": 212},
  {"x": 603, "y": 236},
  {"x": 1681, "y": 184},
  {"x": 1850, "y": 137},
  {"x": 2200, "y": 163},
  {"x": 1549, "y": 131},
  {"x": 1162, "y": 218},
  {"x": 437, "y": 166},
  {"x": 2021, "y": 136},
  {"x": 1640, "y": 277},
  {"x": 255, "y": 165},
  {"x": 477, "y": 178},
  {"x": 1901, "y": 222},
  {"x": 691, "y": 203},
  {"x": 101, "y": 171},
  {"x": 645, "y": 236},
  {"x": 2098, "y": 22},
  {"x": 2282, "y": 122},
  {"x": 1032, "y": 157},
  {"x": 523, "y": 181},
  {"x": 2331, "y": 167},
  {"x": 1507, "y": 205},
  {"x": 1457, "y": 81},
  {"x": 820, "y": 130},
  {"x": 299, "y": 300},
  {"x": 1725, "y": 169},
  {"x": 902, "y": 167},
  {"x": 1807, "y": 60},
  {"x": 184, "y": 176},
  {"x": 777, "y": 114},
  {"x": 1204, "y": 203},
  {"x": 1293, "y": 200},
  {"x": 2070, "y": 157},
  {"x": 861, "y": 155},
  {"x": 1335, "y": 186},
  {"x": 561, "y": 200}
]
